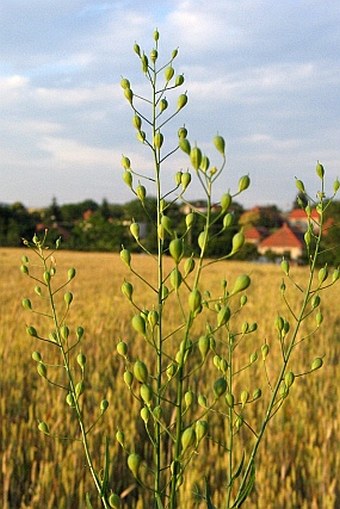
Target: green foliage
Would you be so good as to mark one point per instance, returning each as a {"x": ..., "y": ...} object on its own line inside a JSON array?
[{"x": 164, "y": 377}]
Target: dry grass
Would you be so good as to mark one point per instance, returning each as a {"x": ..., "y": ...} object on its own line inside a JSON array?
[{"x": 299, "y": 460}]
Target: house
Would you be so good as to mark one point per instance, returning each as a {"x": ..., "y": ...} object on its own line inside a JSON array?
[
  {"x": 284, "y": 241},
  {"x": 255, "y": 234},
  {"x": 298, "y": 219}
]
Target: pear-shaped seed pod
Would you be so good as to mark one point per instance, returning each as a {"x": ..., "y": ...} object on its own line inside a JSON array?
[
  {"x": 320, "y": 171},
  {"x": 145, "y": 414},
  {"x": 201, "y": 429},
  {"x": 204, "y": 346},
  {"x": 120, "y": 437},
  {"x": 178, "y": 178},
  {"x": 27, "y": 304},
  {"x": 176, "y": 249},
  {"x": 134, "y": 229},
  {"x": 122, "y": 348},
  {"x": 336, "y": 185},
  {"x": 182, "y": 101},
  {"x": 223, "y": 316},
  {"x": 153, "y": 318},
  {"x": 257, "y": 394},
  {"x": 114, "y": 501},
  {"x": 185, "y": 180},
  {"x": 140, "y": 371},
  {"x": 24, "y": 269},
  {"x": 195, "y": 300},
  {"x": 127, "y": 290},
  {"x": 68, "y": 298},
  {"x": 176, "y": 278},
  {"x": 137, "y": 122},
  {"x": 42, "y": 369},
  {"x": 279, "y": 323},
  {"x": 133, "y": 462},
  {"x": 128, "y": 378},
  {"x": 179, "y": 80},
  {"x": 196, "y": 157},
  {"x": 219, "y": 144},
  {"x": 189, "y": 220},
  {"x": 229, "y": 398},
  {"x": 323, "y": 274},
  {"x": 243, "y": 183},
  {"x": 202, "y": 238},
  {"x": 171, "y": 371},
  {"x": 146, "y": 393},
  {"x": 202, "y": 401},
  {"x": 242, "y": 283},
  {"x": 220, "y": 386},
  {"x": 80, "y": 387},
  {"x": 141, "y": 135},
  {"x": 182, "y": 132},
  {"x": 124, "y": 83},
  {"x": 158, "y": 140},
  {"x": 189, "y": 266},
  {"x": 47, "y": 277},
  {"x": 169, "y": 73},
  {"x": 205, "y": 163},
  {"x": 285, "y": 266},
  {"x": 163, "y": 104},
  {"x": 64, "y": 332},
  {"x": 153, "y": 55},
  {"x": 244, "y": 397},
  {"x": 43, "y": 427},
  {"x": 228, "y": 220},
  {"x": 226, "y": 200},
  {"x": 300, "y": 186},
  {"x": 129, "y": 95},
  {"x": 335, "y": 275},
  {"x": 31, "y": 331},
  {"x": 36, "y": 356},
  {"x": 237, "y": 242},
  {"x": 81, "y": 359},
  {"x": 188, "y": 398},
  {"x": 319, "y": 318},
  {"x": 167, "y": 224},
  {"x": 317, "y": 363},
  {"x": 141, "y": 192},
  {"x": 264, "y": 351},
  {"x": 157, "y": 412},
  {"x": 184, "y": 145},
  {"x": 289, "y": 378},
  {"x": 188, "y": 438},
  {"x": 138, "y": 323},
  {"x": 125, "y": 256}
]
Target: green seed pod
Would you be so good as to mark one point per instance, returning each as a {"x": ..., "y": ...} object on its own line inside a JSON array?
[
  {"x": 220, "y": 386},
  {"x": 316, "y": 364},
  {"x": 43, "y": 427},
  {"x": 289, "y": 378},
  {"x": 336, "y": 185},
  {"x": 252, "y": 328},
  {"x": 145, "y": 414},
  {"x": 228, "y": 221},
  {"x": 36, "y": 356},
  {"x": 179, "y": 80},
  {"x": 64, "y": 332},
  {"x": 219, "y": 144},
  {"x": 243, "y": 183},
  {"x": 125, "y": 256},
  {"x": 204, "y": 163},
  {"x": 217, "y": 361},
  {"x": 70, "y": 400},
  {"x": 176, "y": 278},
  {"x": 156, "y": 35},
  {"x": 134, "y": 229},
  {"x": 257, "y": 394},
  {"x": 188, "y": 398},
  {"x": 229, "y": 398},
  {"x": 163, "y": 104},
  {"x": 80, "y": 387},
  {"x": 201, "y": 429},
  {"x": 300, "y": 186},
  {"x": 137, "y": 122},
  {"x": 31, "y": 331},
  {"x": 138, "y": 323},
  {"x": 133, "y": 462},
  {"x": 189, "y": 266},
  {"x": 140, "y": 371},
  {"x": 169, "y": 73},
  {"x": 122, "y": 348},
  {"x": 38, "y": 291},
  {"x": 153, "y": 318},
  {"x": 81, "y": 359},
  {"x": 158, "y": 140},
  {"x": 80, "y": 332},
  {"x": 176, "y": 249},
  {"x": 165, "y": 292},
  {"x": 141, "y": 135},
  {"x": 47, "y": 277},
  {"x": 204, "y": 346},
  {"x": 182, "y": 101},
  {"x": 128, "y": 378},
  {"x": 185, "y": 180},
  {"x": 323, "y": 274},
  {"x": 264, "y": 351},
  {"x": 243, "y": 300},
  {"x": 27, "y": 304},
  {"x": 223, "y": 365},
  {"x": 245, "y": 327},
  {"x": 335, "y": 275},
  {"x": 184, "y": 145},
  {"x": 161, "y": 232},
  {"x": 202, "y": 238},
  {"x": 307, "y": 238},
  {"x": 127, "y": 290},
  {"x": 237, "y": 242},
  {"x": 68, "y": 298},
  {"x": 189, "y": 220},
  {"x": 315, "y": 302},
  {"x": 153, "y": 55},
  {"x": 146, "y": 393},
  {"x": 320, "y": 170},
  {"x": 188, "y": 439},
  {"x": 167, "y": 224},
  {"x": 42, "y": 369},
  {"x": 141, "y": 192},
  {"x": 171, "y": 371},
  {"x": 223, "y": 316},
  {"x": 279, "y": 323},
  {"x": 124, "y": 83},
  {"x": 285, "y": 266},
  {"x": 195, "y": 300},
  {"x": 128, "y": 94},
  {"x": 226, "y": 200},
  {"x": 24, "y": 269},
  {"x": 244, "y": 397},
  {"x": 319, "y": 318},
  {"x": 178, "y": 178},
  {"x": 202, "y": 401},
  {"x": 120, "y": 437},
  {"x": 114, "y": 501},
  {"x": 182, "y": 132},
  {"x": 242, "y": 283},
  {"x": 195, "y": 157}
]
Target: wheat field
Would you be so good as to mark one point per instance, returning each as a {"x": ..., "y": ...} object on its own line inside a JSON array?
[{"x": 299, "y": 459}]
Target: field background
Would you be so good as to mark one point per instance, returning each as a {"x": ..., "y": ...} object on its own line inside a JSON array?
[{"x": 299, "y": 460}]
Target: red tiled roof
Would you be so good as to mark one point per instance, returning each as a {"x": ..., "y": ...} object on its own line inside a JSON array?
[
  {"x": 301, "y": 214},
  {"x": 283, "y": 237}
]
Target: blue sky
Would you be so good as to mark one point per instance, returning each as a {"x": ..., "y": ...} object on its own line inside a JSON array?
[{"x": 265, "y": 74}]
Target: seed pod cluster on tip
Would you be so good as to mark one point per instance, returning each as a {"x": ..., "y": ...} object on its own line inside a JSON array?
[{"x": 219, "y": 144}]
